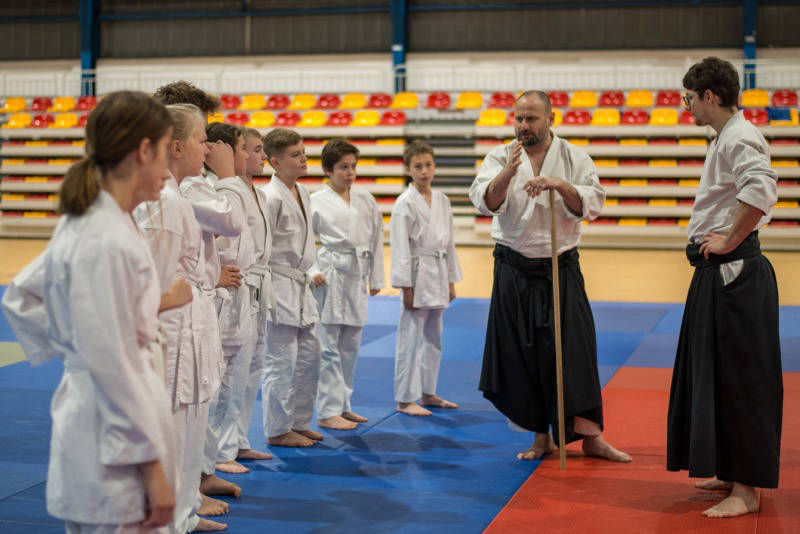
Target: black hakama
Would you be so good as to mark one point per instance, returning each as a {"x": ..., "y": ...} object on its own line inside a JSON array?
[
  {"x": 726, "y": 398},
  {"x": 519, "y": 367}
]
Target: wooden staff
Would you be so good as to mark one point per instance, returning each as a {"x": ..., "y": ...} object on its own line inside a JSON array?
[{"x": 562, "y": 450}]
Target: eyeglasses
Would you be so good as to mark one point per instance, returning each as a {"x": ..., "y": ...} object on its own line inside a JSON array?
[{"x": 687, "y": 99}]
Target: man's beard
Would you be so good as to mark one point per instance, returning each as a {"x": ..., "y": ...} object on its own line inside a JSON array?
[{"x": 529, "y": 141}]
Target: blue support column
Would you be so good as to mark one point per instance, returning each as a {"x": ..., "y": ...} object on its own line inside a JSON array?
[
  {"x": 399, "y": 12},
  {"x": 749, "y": 23},
  {"x": 90, "y": 44}
]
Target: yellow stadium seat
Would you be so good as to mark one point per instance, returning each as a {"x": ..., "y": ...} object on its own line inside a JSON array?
[
  {"x": 367, "y": 161},
  {"x": 13, "y": 161},
  {"x": 558, "y": 117},
  {"x": 688, "y": 182},
  {"x": 390, "y": 141},
  {"x": 632, "y": 221},
  {"x": 605, "y": 117},
  {"x": 469, "y": 100},
  {"x": 633, "y": 182},
  {"x": 683, "y": 222},
  {"x": 13, "y": 104},
  {"x": 216, "y": 117},
  {"x": 792, "y": 121},
  {"x": 18, "y": 120},
  {"x": 664, "y": 117},
  {"x": 606, "y": 162},
  {"x": 663, "y": 162},
  {"x": 691, "y": 141},
  {"x": 405, "y": 100},
  {"x": 491, "y": 117},
  {"x": 253, "y": 102},
  {"x": 583, "y": 99},
  {"x": 639, "y": 99},
  {"x": 65, "y": 120},
  {"x": 662, "y": 202},
  {"x": 366, "y": 117},
  {"x": 784, "y": 163},
  {"x": 353, "y": 101},
  {"x": 755, "y": 98},
  {"x": 579, "y": 141},
  {"x": 612, "y": 202},
  {"x": 261, "y": 119},
  {"x": 786, "y": 204},
  {"x": 302, "y": 101},
  {"x": 313, "y": 119},
  {"x": 63, "y": 103}
]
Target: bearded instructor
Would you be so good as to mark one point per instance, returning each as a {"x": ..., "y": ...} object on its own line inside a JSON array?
[{"x": 519, "y": 367}]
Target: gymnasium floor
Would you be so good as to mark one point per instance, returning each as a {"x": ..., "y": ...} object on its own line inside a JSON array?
[{"x": 456, "y": 471}]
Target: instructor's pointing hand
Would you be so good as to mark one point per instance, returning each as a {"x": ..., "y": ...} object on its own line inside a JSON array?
[{"x": 513, "y": 160}]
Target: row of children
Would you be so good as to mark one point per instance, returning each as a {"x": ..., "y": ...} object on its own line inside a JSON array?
[{"x": 169, "y": 268}]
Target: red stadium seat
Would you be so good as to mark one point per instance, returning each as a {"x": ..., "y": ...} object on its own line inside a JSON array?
[
  {"x": 758, "y": 116},
  {"x": 86, "y": 103},
  {"x": 239, "y": 117},
  {"x": 510, "y": 119},
  {"x": 501, "y": 100},
  {"x": 339, "y": 118},
  {"x": 783, "y": 98},
  {"x": 668, "y": 99},
  {"x": 686, "y": 117},
  {"x": 577, "y": 116},
  {"x": 230, "y": 101},
  {"x": 41, "y": 103},
  {"x": 559, "y": 99},
  {"x": 438, "y": 101},
  {"x": 635, "y": 116},
  {"x": 612, "y": 99},
  {"x": 287, "y": 118},
  {"x": 42, "y": 121},
  {"x": 393, "y": 118},
  {"x": 82, "y": 120},
  {"x": 379, "y": 100},
  {"x": 278, "y": 101},
  {"x": 329, "y": 101}
]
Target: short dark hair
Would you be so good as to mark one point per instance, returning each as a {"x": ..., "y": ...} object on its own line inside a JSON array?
[
  {"x": 334, "y": 150},
  {"x": 227, "y": 133},
  {"x": 183, "y": 92},
  {"x": 541, "y": 95},
  {"x": 276, "y": 141},
  {"x": 716, "y": 75},
  {"x": 416, "y": 148}
]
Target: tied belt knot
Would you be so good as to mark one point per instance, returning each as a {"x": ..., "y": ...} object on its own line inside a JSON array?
[
  {"x": 750, "y": 247},
  {"x": 307, "y": 298},
  {"x": 417, "y": 252}
]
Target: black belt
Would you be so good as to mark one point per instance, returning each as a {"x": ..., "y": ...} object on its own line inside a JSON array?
[{"x": 750, "y": 247}]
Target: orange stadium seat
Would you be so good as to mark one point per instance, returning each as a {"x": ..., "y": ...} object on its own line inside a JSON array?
[
  {"x": 558, "y": 99},
  {"x": 379, "y": 100},
  {"x": 668, "y": 99},
  {"x": 302, "y": 101},
  {"x": 605, "y": 117},
  {"x": 261, "y": 119},
  {"x": 13, "y": 105},
  {"x": 759, "y": 117},
  {"x": 491, "y": 117},
  {"x": 278, "y": 101},
  {"x": 41, "y": 103},
  {"x": 755, "y": 98},
  {"x": 469, "y": 100},
  {"x": 639, "y": 99},
  {"x": 686, "y": 117},
  {"x": 635, "y": 116},
  {"x": 577, "y": 116},
  {"x": 664, "y": 117},
  {"x": 783, "y": 98},
  {"x": 405, "y": 100},
  {"x": 366, "y": 117},
  {"x": 86, "y": 103},
  {"x": 393, "y": 118},
  {"x": 43, "y": 120},
  {"x": 237, "y": 117},
  {"x": 63, "y": 103},
  {"x": 230, "y": 101},
  {"x": 353, "y": 101},
  {"x": 253, "y": 102},
  {"x": 65, "y": 120},
  {"x": 438, "y": 100},
  {"x": 313, "y": 119},
  {"x": 583, "y": 99},
  {"x": 287, "y": 118},
  {"x": 329, "y": 101},
  {"x": 501, "y": 100},
  {"x": 339, "y": 118},
  {"x": 18, "y": 120},
  {"x": 612, "y": 99}
]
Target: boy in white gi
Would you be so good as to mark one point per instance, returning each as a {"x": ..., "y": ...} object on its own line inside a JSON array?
[
  {"x": 350, "y": 228},
  {"x": 291, "y": 370},
  {"x": 425, "y": 268}
]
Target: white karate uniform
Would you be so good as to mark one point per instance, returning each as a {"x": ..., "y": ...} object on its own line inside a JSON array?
[
  {"x": 424, "y": 258},
  {"x": 351, "y": 260},
  {"x": 291, "y": 371},
  {"x": 94, "y": 296}
]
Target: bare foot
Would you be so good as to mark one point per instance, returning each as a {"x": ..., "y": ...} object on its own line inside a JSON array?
[
  {"x": 433, "y": 400},
  {"x": 310, "y": 434},
  {"x": 252, "y": 454},
  {"x": 714, "y": 484},
  {"x": 598, "y": 447},
  {"x": 207, "y": 525},
  {"x": 231, "y": 467},
  {"x": 742, "y": 500},
  {"x": 412, "y": 408},
  {"x": 542, "y": 444},
  {"x": 213, "y": 485},
  {"x": 352, "y": 416},
  {"x": 337, "y": 422},
  {"x": 212, "y": 506},
  {"x": 290, "y": 439}
]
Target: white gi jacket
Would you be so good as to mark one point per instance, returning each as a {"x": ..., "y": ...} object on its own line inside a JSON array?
[
  {"x": 293, "y": 254},
  {"x": 737, "y": 169},
  {"x": 351, "y": 255},
  {"x": 96, "y": 293},
  {"x": 523, "y": 223},
  {"x": 423, "y": 251}
]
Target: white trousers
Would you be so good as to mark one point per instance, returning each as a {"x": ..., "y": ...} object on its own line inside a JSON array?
[
  {"x": 251, "y": 373},
  {"x": 291, "y": 373},
  {"x": 340, "y": 344},
  {"x": 222, "y": 414},
  {"x": 418, "y": 354},
  {"x": 72, "y": 527},
  {"x": 191, "y": 423}
]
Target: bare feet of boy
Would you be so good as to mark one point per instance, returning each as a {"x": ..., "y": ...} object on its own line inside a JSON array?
[
  {"x": 412, "y": 408},
  {"x": 742, "y": 500},
  {"x": 213, "y": 485},
  {"x": 290, "y": 439},
  {"x": 597, "y": 447},
  {"x": 231, "y": 466},
  {"x": 337, "y": 422},
  {"x": 310, "y": 434},
  {"x": 433, "y": 400},
  {"x": 542, "y": 444},
  {"x": 352, "y": 416},
  {"x": 252, "y": 454},
  {"x": 208, "y": 525},
  {"x": 714, "y": 484},
  {"x": 212, "y": 506}
]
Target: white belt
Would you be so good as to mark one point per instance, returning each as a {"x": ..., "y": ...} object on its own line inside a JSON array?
[
  {"x": 260, "y": 277},
  {"x": 422, "y": 251},
  {"x": 307, "y": 301}
]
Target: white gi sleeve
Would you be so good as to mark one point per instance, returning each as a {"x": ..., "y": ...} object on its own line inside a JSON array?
[
  {"x": 492, "y": 164},
  {"x": 587, "y": 184},
  {"x": 377, "y": 277},
  {"x": 228, "y": 246},
  {"x": 213, "y": 211},
  {"x": 399, "y": 230},
  {"x": 453, "y": 267},
  {"x": 754, "y": 177}
]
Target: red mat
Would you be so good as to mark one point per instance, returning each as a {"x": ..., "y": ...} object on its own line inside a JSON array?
[{"x": 597, "y": 497}]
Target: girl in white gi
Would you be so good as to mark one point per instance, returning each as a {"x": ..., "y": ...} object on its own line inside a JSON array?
[
  {"x": 291, "y": 370},
  {"x": 193, "y": 373},
  {"x": 350, "y": 228},
  {"x": 93, "y": 298},
  {"x": 425, "y": 267}
]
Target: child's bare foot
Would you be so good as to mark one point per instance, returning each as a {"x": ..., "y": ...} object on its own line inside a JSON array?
[
  {"x": 742, "y": 500},
  {"x": 337, "y": 422},
  {"x": 412, "y": 408},
  {"x": 352, "y": 416},
  {"x": 714, "y": 484},
  {"x": 598, "y": 447},
  {"x": 542, "y": 444},
  {"x": 310, "y": 434},
  {"x": 433, "y": 400},
  {"x": 207, "y": 525},
  {"x": 252, "y": 454},
  {"x": 212, "y": 506},
  {"x": 213, "y": 485},
  {"x": 290, "y": 439},
  {"x": 231, "y": 466}
]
